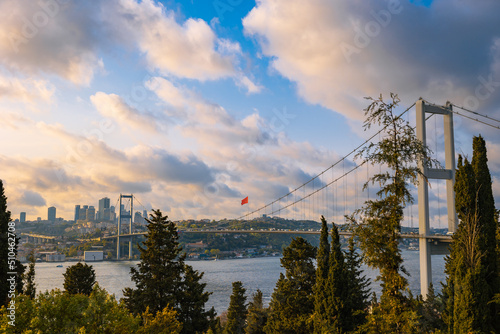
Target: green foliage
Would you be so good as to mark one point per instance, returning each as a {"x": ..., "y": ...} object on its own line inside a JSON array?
[
  {"x": 472, "y": 268},
  {"x": 332, "y": 317},
  {"x": 292, "y": 302},
  {"x": 489, "y": 225},
  {"x": 379, "y": 225},
  {"x": 165, "y": 322},
  {"x": 8, "y": 243},
  {"x": 79, "y": 278},
  {"x": 257, "y": 315},
  {"x": 193, "y": 297},
  {"x": 237, "y": 311},
  {"x": 358, "y": 287},
  {"x": 163, "y": 279},
  {"x": 30, "y": 290},
  {"x": 321, "y": 300},
  {"x": 57, "y": 312},
  {"x": 430, "y": 312}
]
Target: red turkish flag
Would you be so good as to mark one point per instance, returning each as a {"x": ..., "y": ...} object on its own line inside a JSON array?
[{"x": 244, "y": 200}]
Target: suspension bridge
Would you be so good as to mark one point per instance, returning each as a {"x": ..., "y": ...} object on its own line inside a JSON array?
[{"x": 342, "y": 188}]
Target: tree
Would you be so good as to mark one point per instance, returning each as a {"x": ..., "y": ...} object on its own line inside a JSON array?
[
  {"x": 430, "y": 311},
  {"x": 59, "y": 312},
  {"x": 379, "y": 225},
  {"x": 192, "y": 300},
  {"x": 292, "y": 302},
  {"x": 257, "y": 315},
  {"x": 163, "y": 279},
  {"x": 237, "y": 311},
  {"x": 358, "y": 287},
  {"x": 471, "y": 268},
  {"x": 30, "y": 290},
  {"x": 165, "y": 322},
  {"x": 321, "y": 301},
  {"x": 489, "y": 225},
  {"x": 79, "y": 278},
  {"x": 8, "y": 252},
  {"x": 332, "y": 317}
]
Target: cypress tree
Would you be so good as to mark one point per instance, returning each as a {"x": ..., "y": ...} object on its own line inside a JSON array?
[
  {"x": 336, "y": 289},
  {"x": 321, "y": 302},
  {"x": 8, "y": 246},
  {"x": 358, "y": 287},
  {"x": 257, "y": 315},
  {"x": 30, "y": 290},
  {"x": 292, "y": 302},
  {"x": 486, "y": 209},
  {"x": 237, "y": 311},
  {"x": 472, "y": 267}
]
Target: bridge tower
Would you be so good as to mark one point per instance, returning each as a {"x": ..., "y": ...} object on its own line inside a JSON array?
[
  {"x": 448, "y": 174},
  {"x": 126, "y": 217}
]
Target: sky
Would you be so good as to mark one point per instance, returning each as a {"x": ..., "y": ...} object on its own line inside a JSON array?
[{"x": 194, "y": 105}]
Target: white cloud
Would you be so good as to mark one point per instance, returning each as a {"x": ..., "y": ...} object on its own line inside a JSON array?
[
  {"x": 114, "y": 107},
  {"x": 186, "y": 50},
  {"x": 27, "y": 90},
  {"x": 338, "y": 52},
  {"x": 50, "y": 37}
]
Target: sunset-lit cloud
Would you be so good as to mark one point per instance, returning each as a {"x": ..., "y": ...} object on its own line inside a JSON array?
[{"x": 193, "y": 112}]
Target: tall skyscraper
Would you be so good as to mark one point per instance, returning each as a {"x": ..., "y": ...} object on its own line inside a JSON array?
[
  {"x": 104, "y": 209},
  {"x": 90, "y": 213},
  {"x": 138, "y": 219},
  {"x": 77, "y": 212},
  {"x": 51, "y": 214},
  {"x": 22, "y": 217}
]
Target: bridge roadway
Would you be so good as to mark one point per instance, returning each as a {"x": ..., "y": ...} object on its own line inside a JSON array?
[{"x": 434, "y": 237}]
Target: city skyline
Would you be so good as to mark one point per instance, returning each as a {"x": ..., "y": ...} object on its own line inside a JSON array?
[{"x": 193, "y": 106}]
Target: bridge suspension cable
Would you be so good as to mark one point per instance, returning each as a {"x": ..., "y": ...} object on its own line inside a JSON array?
[
  {"x": 469, "y": 117},
  {"x": 342, "y": 160}
]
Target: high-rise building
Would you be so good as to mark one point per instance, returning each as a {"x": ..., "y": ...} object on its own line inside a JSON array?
[
  {"x": 104, "y": 209},
  {"x": 138, "y": 219},
  {"x": 90, "y": 213},
  {"x": 51, "y": 214},
  {"x": 22, "y": 217},
  {"x": 77, "y": 212}
]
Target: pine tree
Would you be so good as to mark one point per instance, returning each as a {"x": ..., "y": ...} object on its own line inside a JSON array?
[
  {"x": 292, "y": 302},
  {"x": 321, "y": 302},
  {"x": 358, "y": 287},
  {"x": 237, "y": 311},
  {"x": 379, "y": 225},
  {"x": 162, "y": 278},
  {"x": 30, "y": 290},
  {"x": 430, "y": 312},
  {"x": 193, "y": 298},
  {"x": 8, "y": 247},
  {"x": 79, "y": 279},
  {"x": 257, "y": 315}
]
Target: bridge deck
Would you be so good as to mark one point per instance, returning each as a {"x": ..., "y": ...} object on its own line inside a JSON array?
[{"x": 443, "y": 238}]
